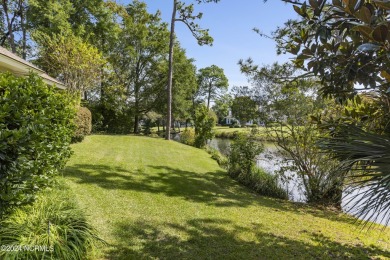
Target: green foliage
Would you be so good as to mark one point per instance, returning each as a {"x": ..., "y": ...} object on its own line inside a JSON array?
[
  {"x": 110, "y": 113},
  {"x": 244, "y": 108},
  {"x": 70, "y": 58},
  {"x": 212, "y": 83},
  {"x": 263, "y": 183},
  {"x": 216, "y": 155},
  {"x": 278, "y": 93},
  {"x": 138, "y": 58},
  {"x": 343, "y": 42},
  {"x": 318, "y": 172},
  {"x": 205, "y": 121},
  {"x": 185, "y": 14},
  {"x": 188, "y": 136},
  {"x": 243, "y": 152},
  {"x": 367, "y": 154},
  {"x": 83, "y": 123},
  {"x": 242, "y": 167},
  {"x": 55, "y": 223},
  {"x": 227, "y": 135},
  {"x": 221, "y": 106},
  {"x": 35, "y": 132}
]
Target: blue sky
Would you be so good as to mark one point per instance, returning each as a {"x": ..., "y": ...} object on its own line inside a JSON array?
[{"x": 231, "y": 27}]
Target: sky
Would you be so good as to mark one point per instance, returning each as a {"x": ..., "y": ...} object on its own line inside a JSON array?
[{"x": 231, "y": 25}]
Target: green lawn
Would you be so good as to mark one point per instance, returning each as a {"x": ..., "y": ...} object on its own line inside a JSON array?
[{"x": 156, "y": 199}]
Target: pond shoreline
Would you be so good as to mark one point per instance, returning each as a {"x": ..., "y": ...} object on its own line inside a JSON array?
[{"x": 269, "y": 160}]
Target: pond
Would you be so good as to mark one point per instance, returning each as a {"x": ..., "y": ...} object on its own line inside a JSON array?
[{"x": 270, "y": 160}]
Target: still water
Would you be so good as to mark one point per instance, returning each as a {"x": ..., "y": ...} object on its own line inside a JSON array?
[{"x": 270, "y": 160}]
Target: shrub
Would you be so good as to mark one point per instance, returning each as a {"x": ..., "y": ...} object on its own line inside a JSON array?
[
  {"x": 54, "y": 223},
  {"x": 188, "y": 136},
  {"x": 36, "y": 126},
  {"x": 243, "y": 152},
  {"x": 263, "y": 183},
  {"x": 205, "y": 120},
  {"x": 242, "y": 167},
  {"x": 111, "y": 120},
  {"x": 216, "y": 155},
  {"x": 320, "y": 174},
  {"x": 83, "y": 122}
]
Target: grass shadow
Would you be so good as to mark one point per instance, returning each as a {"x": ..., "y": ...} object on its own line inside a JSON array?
[
  {"x": 212, "y": 188},
  {"x": 211, "y": 238}
]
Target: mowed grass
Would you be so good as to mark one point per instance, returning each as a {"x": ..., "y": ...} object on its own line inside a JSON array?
[{"x": 155, "y": 199}]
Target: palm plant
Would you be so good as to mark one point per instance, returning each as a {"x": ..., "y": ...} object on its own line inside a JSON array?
[{"x": 367, "y": 158}]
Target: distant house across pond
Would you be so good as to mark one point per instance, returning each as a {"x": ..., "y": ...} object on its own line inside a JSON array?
[{"x": 20, "y": 67}]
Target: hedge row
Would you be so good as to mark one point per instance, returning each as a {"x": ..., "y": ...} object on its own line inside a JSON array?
[{"x": 36, "y": 127}]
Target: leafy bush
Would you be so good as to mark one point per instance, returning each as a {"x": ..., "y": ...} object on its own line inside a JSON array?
[
  {"x": 35, "y": 132},
  {"x": 111, "y": 120},
  {"x": 243, "y": 152},
  {"x": 263, "y": 183},
  {"x": 216, "y": 155},
  {"x": 205, "y": 120},
  {"x": 83, "y": 123},
  {"x": 242, "y": 167},
  {"x": 319, "y": 173},
  {"x": 188, "y": 136},
  {"x": 54, "y": 223}
]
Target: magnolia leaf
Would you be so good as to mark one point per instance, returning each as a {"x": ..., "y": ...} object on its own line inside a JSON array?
[
  {"x": 380, "y": 33},
  {"x": 299, "y": 11},
  {"x": 314, "y": 4},
  {"x": 364, "y": 14},
  {"x": 366, "y": 31}
]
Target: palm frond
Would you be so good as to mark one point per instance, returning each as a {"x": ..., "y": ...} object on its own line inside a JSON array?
[{"x": 367, "y": 157}]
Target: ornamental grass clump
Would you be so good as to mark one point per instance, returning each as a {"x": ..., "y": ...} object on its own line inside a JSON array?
[{"x": 53, "y": 227}]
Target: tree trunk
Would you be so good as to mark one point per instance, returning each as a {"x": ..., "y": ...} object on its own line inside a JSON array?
[
  {"x": 136, "y": 123},
  {"x": 10, "y": 32},
  {"x": 24, "y": 30},
  {"x": 208, "y": 98},
  {"x": 170, "y": 72}
]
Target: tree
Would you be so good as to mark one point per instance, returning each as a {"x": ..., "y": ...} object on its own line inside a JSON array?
[
  {"x": 346, "y": 43},
  {"x": 138, "y": 57},
  {"x": 212, "y": 82},
  {"x": 187, "y": 17},
  {"x": 244, "y": 107},
  {"x": 222, "y": 106},
  {"x": 12, "y": 22},
  {"x": 205, "y": 121},
  {"x": 277, "y": 90},
  {"x": 70, "y": 59},
  {"x": 183, "y": 83}
]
